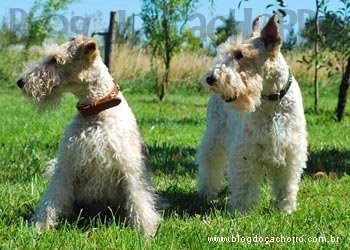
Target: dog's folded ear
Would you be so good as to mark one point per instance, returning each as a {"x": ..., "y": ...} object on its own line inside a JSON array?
[
  {"x": 270, "y": 35},
  {"x": 90, "y": 47},
  {"x": 90, "y": 51}
]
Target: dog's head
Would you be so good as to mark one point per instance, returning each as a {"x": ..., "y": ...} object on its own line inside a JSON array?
[
  {"x": 242, "y": 71},
  {"x": 63, "y": 68}
]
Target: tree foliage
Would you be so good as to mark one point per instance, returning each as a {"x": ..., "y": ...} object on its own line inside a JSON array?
[
  {"x": 226, "y": 30},
  {"x": 331, "y": 27},
  {"x": 163, "y": 25},
  {"x": 190, "y": 43},
  {"x": 39, "y": 22},
  {"x": 334, "y": 36}
]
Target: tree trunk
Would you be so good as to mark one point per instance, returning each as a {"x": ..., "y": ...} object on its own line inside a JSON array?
[
  {"x": 167, "y": 59},
  {"x": 316, "y": 52},
  {"x": 165, "y": 82},
  {"x": 164, "y": 86},
  {"x": 343, "y": 90}
]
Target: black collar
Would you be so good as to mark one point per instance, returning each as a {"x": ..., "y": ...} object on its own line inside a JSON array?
[{"x": 282, "y": 93}]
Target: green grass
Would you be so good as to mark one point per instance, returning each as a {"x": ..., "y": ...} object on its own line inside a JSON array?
[{"x": 172, "y": 130}]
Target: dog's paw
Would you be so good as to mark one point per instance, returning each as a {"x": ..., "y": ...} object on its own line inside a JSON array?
[
  {"x": 147, "y": 222},
  {"x": 285, "y": 205},
  {"x": 288, "y": 208},
  {"x": 239, "y": 206},
  {"x": 40, "y": 227},
  {"x": 150, "y": 227},
  {"x": 150, "y": 230},
  {"x": 40, "y": 224}
]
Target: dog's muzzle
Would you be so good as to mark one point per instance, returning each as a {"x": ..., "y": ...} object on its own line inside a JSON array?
[
  {"x": 211, "y": 81},
  {"x": 20, "y": 83}
]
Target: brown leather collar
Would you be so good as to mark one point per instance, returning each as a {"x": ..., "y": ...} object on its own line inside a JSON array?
[{"x": 96, "y": 106}]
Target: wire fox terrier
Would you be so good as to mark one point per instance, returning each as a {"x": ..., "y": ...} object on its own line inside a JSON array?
[
  {"x": 102, "y": 158},
  {"x": 255, "y": 123}
]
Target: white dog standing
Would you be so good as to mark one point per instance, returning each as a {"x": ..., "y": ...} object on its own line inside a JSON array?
[
  {"x": 102, "y": 158},
  {"x": 255, "y": 123}
]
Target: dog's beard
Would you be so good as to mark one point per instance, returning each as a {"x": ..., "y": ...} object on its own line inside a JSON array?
[
  {"x": 243, "y": 103},
  {"x": 44, "y": 100},
  {"x": 49, "y": 103}
]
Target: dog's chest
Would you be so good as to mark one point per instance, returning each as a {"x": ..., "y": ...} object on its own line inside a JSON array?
[
  {"x": 268, "y": 129},
  {"x": 93, "y": 184},
  {"x": 91, "y": 154}
]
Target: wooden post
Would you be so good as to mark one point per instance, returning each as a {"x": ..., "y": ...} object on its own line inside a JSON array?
[{"x": 110, "y": 39}]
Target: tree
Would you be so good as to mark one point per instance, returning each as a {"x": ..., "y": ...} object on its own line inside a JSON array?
[
  {"x": 163, "y": 24},
  {"x": 228, "y": 29},
  {"x": 344, "y": 55},
  {"x": 316, "y": 38},
  {"x": 330, "y": 24},
  {"x": 316, "y": 52},
  {"x": 334, "y": 34},
  {"x": 39, "y": 26}
]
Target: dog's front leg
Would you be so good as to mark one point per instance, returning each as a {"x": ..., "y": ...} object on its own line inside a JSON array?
[
  {"x": 141, "y": 204},
  {"x": 285, "y": 181},
  {"x": 212, "y": 160},
  {"x": 211, "y": 155},
  {"x": 56, "y": 201},
  {"x": 245, "y": 178}
]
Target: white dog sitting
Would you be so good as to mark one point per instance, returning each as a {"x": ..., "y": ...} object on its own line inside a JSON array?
[
  {"x": 255, "y": 123},
  {"x": 102, "y": 159}
]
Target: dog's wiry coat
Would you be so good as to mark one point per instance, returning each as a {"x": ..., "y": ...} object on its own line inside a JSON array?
[
  {"x": 241, "y": 133},
  {"x": 101, "y": 158}
]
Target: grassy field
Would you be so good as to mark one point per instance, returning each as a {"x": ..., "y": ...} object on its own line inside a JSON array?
[{"x": 172, "y": 130}]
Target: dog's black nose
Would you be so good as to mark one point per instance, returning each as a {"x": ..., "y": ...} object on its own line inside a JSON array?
[
  {"x": 211, "y": 80},
  {"x": 20, "y": 83}
]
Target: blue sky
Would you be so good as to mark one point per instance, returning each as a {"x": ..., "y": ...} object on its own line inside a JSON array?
[{"x": 98, "y": 11}]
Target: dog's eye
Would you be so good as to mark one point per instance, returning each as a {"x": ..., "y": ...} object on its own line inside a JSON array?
[{"x": 238, "y": 55}]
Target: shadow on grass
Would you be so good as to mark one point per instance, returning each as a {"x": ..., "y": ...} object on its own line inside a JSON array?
[
  {"x": 182, "y": 203},
  {"x": 329, "y": 160},
  {"x": 180, "y": 161},
  {"x": 168, "y": 159}
]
